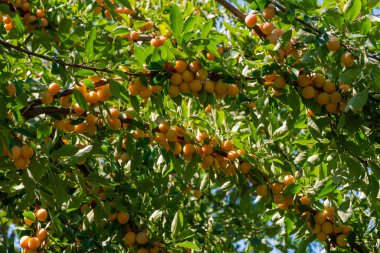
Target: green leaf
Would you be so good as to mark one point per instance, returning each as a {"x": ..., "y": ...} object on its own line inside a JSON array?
[
  {"x": 115, "y": 88},
  {"x": 258, "y": 4},
  {"x": 29, "y": 215},
  {"x": 89, "y": 45},
  {"x": 80, "y": 99},
  {"x": 284, "y": 40},
  {"x": 352, "y": 9},
  {"x": 188, "y": 245},
  {"x": 357, "y": 101},
  {"x": 291, "y": 189},
  {"x": 177, "y": 223},
  {"x": 176, "y": 20},
  {"x": 78, "y": 156},
  {"x": 66, "y": 150},
  {"x": 85, "y": 73},
  {"x": 19, "y": 25},
  {"x": 64, "y": 26}
]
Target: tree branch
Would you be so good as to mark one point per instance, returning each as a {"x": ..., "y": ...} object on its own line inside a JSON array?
[
  {"x": 237, "y": 13},
  {"x": 51, "y": 59}
]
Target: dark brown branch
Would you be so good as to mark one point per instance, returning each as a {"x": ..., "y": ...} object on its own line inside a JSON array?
[
  {"x": 71, "y": 65},
  {"x": 237, "y": 13},
  {"x": 38, "y": 110}
]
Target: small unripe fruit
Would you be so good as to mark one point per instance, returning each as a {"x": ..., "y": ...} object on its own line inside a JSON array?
[{"x": 11, "y": 88}]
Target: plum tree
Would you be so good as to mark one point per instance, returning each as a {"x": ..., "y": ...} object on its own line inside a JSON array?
[{"x": 186, "y": 126}]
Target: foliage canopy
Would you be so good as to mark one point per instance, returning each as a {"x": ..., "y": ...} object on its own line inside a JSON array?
[{"x": 189, "y": 126}]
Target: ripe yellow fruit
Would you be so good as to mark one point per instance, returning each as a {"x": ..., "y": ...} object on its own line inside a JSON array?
[
  {"x": 329, "y": 86},
  {"x": 321, "y": 236},
  {"x": 262, "y": 190},
  {"x": 220, "y": 88},
  {"x": 335, "y": 97},
  {"x": 331, "y": 107},
  {"x": 195, "y": 66},
  {"x": 195, "y": 85},
  {"x": 279, "y": 82},
  {"x": 122, "y": 217},
  {"x": 27, "y": 152},
  {"x": 202, "y": 75},
  {"x": 176, "y": 79},
  {"x": 305, "y": 200},
  {"x": 15, "y": 152},
  {"x": 250, "y": 20},
  {"x": 24, "y": 241},
  {"x": 78, "y": 110},
  {"x": 40, "y": 13},
  {"x": 142, "y": 238},
  {"x": 46, "y": 98},
  {"x": 303, "y": 80},
  {"x": 65, "y": 101},
  {"x": 333, "y": 44},
  {"x": 341, "y": 240},
  {"x": 323, "y": 98},
  {"x": 347, "y": 59},
  {"x": 320, "y": 218},
  {"x": 329, "y": 211},
  {"x": 28, "y": 222},
  {"x": 288, "y": 180},
  {"x": 180, "y": 66},
  {"x": 171, "y": 135},
  {"x": 318, "y": 81},
  {"x": 267, "y": 28},
  {"x": 273, "y": 38},
  {"x": 188, "y": 76},
  {"x": 93, "y": 97},
  {"x": 188, "y": 149},
  {"x": 346, "y": 229},
  {"x": 269, "y": 12},
  {"x": 173, "y": 91},
  {"x": 145, "y": 93},
  {"x": 41, "y": 214},
  {"x": 91, "y": 119},
  {"x": 308, "y": 92},
  {"x": 327, "y": 227},
  {"x": 164, "y": 127},
  {"x": 130, "y": 239},
  {"x": 142, "y": 250},
  {"x": 245, "y": 167},
  {"x": 54, "y": 88},
  {"x": 337, "y": 228},
  {"x": 232, "y": 90},
  {"x": 41, "y": 234},
  {"x": 184, "y": 87},
  {"x": 209, "y": 86},
  {"x": 210, "y": 56},
  {"x": 115, "y": 124},
  {"x": 21, "y": 163},
  {"x": 11, "y": 88},
  {"x": 34, "y": 243},
  {"x": 276, "y": 187}
]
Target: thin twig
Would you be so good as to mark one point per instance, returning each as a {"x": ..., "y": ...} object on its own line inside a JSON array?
[{"x": 51, "y": 59}]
